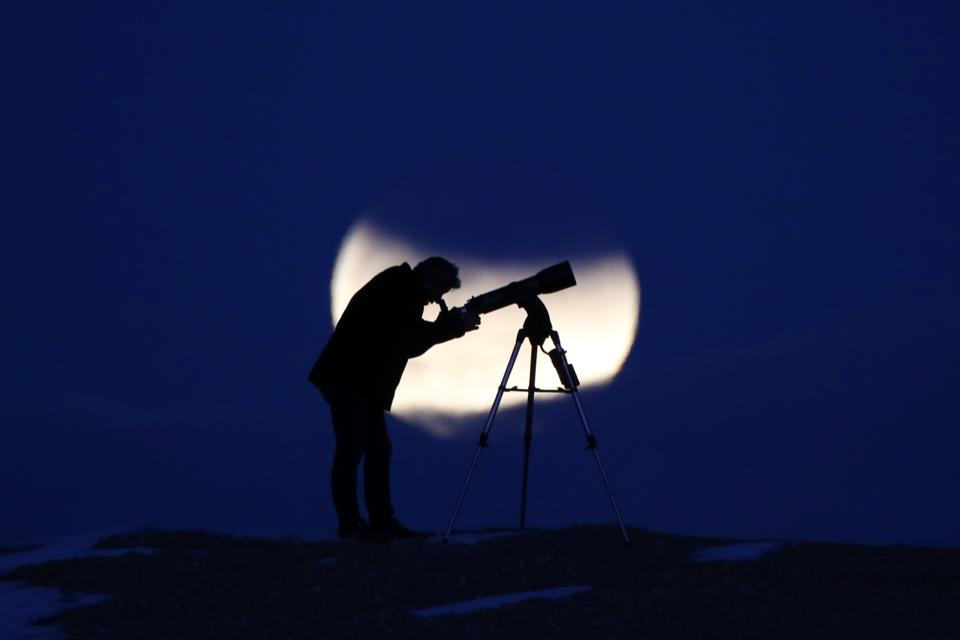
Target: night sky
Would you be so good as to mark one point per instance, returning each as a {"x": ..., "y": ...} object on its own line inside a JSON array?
[{"x": 177, "y": 180}]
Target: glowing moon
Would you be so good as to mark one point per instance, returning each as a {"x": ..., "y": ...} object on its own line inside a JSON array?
[{"x": 597, "y": 321}]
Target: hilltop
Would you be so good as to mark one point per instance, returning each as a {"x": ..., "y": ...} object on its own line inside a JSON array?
[{"x": 196, "y": 584}]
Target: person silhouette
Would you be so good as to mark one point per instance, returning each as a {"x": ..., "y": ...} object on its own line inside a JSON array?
[{"x": 358, "y": 372}]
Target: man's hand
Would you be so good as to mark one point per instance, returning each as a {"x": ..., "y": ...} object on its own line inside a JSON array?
[
  {"x": 457, "y": 322},
  {"x": 470, "y": 321}
]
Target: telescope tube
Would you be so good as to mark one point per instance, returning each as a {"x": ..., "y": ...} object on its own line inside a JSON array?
[{"x": 549, "y": 280}]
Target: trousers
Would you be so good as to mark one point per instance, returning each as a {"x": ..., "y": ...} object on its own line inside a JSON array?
[{"x": 361, "y": 434}]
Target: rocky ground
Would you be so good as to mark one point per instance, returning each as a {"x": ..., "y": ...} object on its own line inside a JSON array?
[{"x": 203, "y": 585}]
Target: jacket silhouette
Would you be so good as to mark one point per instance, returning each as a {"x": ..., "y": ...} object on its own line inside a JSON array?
[{"x": 381, "y": 328}]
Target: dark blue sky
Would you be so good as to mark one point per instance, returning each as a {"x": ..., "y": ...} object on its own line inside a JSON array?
[{"x": 177, "y": 180}]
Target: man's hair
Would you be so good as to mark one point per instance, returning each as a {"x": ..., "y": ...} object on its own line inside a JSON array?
[{"x": 442, "y": 268}]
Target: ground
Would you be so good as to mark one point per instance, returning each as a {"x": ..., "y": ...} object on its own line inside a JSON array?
[{"x": 203, "y": 585}]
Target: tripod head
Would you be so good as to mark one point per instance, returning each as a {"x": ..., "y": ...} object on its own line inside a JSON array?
[{"x": 537, "y": 327}]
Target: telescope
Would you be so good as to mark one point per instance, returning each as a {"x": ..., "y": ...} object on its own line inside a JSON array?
[
  {"x": 536, "y": 329},
  {"x": 521, "y": 292},
  {"x": 525, "y": 294}
]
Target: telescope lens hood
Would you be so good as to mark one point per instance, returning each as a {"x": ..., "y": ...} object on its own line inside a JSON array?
[{"x": 555, "y": 278}]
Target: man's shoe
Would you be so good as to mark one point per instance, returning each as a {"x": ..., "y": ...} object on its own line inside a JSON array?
[
  {"x": 392, "y": 529},
  {"x": 358, "y": 530}
]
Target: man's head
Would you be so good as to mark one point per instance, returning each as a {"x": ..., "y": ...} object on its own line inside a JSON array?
[{"x": 436, "y": 277}]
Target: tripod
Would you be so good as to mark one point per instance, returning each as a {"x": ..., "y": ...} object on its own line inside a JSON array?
[{"x": 536, "y": 329}]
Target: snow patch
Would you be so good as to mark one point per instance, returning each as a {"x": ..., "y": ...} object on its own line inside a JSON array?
[
  {"x": 497, "y": 601},
  {"x": 21, "y": 604},
  {"x": 740, "y": 551},
  {"x": 63, "y": 548},
  {"x": 471, "y": 538}
]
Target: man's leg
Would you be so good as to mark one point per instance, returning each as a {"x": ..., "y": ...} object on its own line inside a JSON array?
[
  {"x": 349, "y": 426},
  {"x": 376, "y": 469}
]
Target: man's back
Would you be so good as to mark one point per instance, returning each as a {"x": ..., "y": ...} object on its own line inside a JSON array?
[{"x": 363, "y": 356}]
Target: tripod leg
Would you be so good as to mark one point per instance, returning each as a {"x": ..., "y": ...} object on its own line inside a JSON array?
[
  {"x": 528, "y": 435},
  {"x": 485, "y": 434},
  {"x": 591, "y": 439}
]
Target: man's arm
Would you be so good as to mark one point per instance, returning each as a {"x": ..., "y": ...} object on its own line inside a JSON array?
[{"x": 449, "y": 325}]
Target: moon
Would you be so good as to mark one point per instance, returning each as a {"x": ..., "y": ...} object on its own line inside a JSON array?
[{"x": 597, "y": 321}]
